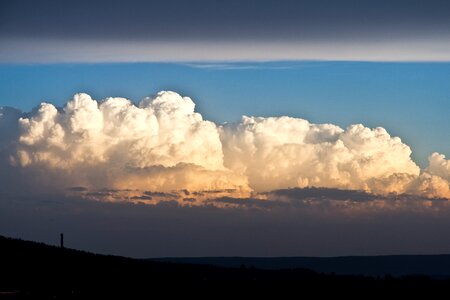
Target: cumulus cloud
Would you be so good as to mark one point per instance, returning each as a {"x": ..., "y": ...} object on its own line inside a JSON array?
[
  {"x": 162, "y": 144},
  {"x": 162, "y": 131},
  {"x": 439, "y": 166},
  {"x": 157, "y": 169},
  {"x": 287, "y": 152}
]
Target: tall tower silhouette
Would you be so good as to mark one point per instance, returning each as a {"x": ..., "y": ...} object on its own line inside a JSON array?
[{"x": 62, "y": 240}]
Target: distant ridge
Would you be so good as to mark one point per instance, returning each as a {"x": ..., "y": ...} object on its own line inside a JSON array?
[
  {"x": 30, "y": 270},
  {"x": 437, "y": 266}
]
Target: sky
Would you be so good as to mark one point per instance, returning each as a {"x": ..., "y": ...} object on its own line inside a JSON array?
[{"x": 139, "y": 127}]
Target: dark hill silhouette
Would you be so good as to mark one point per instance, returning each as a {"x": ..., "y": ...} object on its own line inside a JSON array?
[
  {"x": 36, "y": 270},
  {"x": 435, "y": 266}
]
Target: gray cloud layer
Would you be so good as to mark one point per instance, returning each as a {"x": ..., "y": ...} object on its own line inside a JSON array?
[
  {"x": 61, "y": 51},
  {"x": 166, "y": 229},
  {"x": 230, "y": 20},
  {"x": 62, "y": 31}
]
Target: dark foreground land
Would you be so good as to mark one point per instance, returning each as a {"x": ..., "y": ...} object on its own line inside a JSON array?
[
  {"x": 434, "y": 266},
  {"x": 35, "y": 270}
]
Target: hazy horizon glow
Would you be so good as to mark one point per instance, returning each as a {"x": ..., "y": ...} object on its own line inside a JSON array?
[{"x": 87, "y": 51}]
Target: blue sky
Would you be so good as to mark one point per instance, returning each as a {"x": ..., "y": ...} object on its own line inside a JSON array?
[{"x": 411, "y": 100}]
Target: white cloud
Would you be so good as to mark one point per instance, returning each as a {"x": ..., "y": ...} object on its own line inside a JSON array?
[
  {"x": 439, "y": 166},
  {"x": 161, "y": 131},
  {"x": 286, "y": 152},
  {"x": 163, "y": 144}
]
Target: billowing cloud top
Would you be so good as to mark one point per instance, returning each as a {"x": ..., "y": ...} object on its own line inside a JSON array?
[
  {"x": 163, "y": 145},
  {"x": 287, "y": 152},
  {"x": 162, "y": 131}
]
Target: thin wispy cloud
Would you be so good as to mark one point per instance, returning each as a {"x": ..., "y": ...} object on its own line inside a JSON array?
[
  {"x": 220, "y": 52},
  {"x": 284, "y": 65}
]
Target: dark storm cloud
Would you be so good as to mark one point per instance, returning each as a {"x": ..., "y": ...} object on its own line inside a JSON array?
[
  {"x": 319, "y": 200},
  {"x": 324, "y": 193},
  {"x": 141, "y": 198},
  {"x": 223, "y": 20},
  {"x": 252, "y": 203},
  {"x": 159, "y": 194}
]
